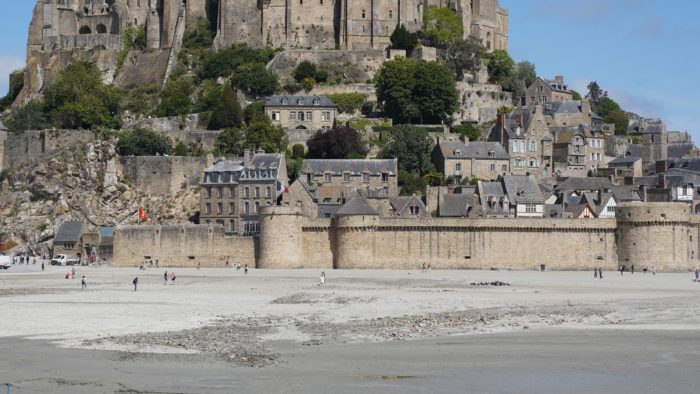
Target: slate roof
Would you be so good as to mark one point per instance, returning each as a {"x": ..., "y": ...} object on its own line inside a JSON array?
[
  {"x": 586, "y": 183},
  {"x": 299, "y": 101},
  {"x": 576, "y": 210},
  {"x": 473, "y": 150},
  {"x": 69, "y": 232},
  {"x": 356, "y": 206},
  {"x": 628, "y": 193},
  {"x": 679, "y": 150},
  {"x": 337, "y": 167},
  {"x": 455, "y": 205},
  {"x": 563, "y": 107},
  {"x": 232, "y": 170},
  {"x": 400, "y": 205},
  {"x": 522, "y": 189},
  {"x": 494, "y": 189},
  {"x": 553, "y": 211},
  {"x": 688, "y": 163},
  {"x": 634, "y": 150},
  {"x": 625, "y": 160}
]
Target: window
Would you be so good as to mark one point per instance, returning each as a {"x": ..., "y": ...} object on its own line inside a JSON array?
[
  {"x": 530, "y": 208},
  {"x": 208, "y": 192},
  {"x": 309, "y": 116},
  {"x": 268, "y": 192},
  {"x": 610, "y": 209},
  {"x": 300, "y": 101},
  {"x": 231, "y": 225},
  {"x": 276, "y": 115},
  {"x": 493, "y": 168},
  {"x": 504, "y": 168},
  {"x": 385, "y": 177},
  {"x": 231, "y": 208},
  {"x": 327, "y": 177},
  {"x": 300, "y": 116},
  {"x": 231, "y": 192},
  {"x": 257, "y": 192},
  {"x": 292, "y": 116},
  {"x": 220, "y": 192},
  {"x": 326, "y": 116},
  {"x": 533, "y": 162},
  {"x": 391, "y": 14},
  {"x": 219, "y": 208},
  {"x": 364, "y": 14},
  {"x": 246, "y": 192},
  {"x": 207, "y": 208},
  {"x": 492, "y": 153},
  {"x": 458, "y": 153},
  {"x": 365, "y": 177},
  {"x": 458, "y": 167},
  {"x": 257, "y": 207},
  {"x": 246, "y": 207},
  {"x": 346, "y": 177},
  {"x": 532, "y": 146}
]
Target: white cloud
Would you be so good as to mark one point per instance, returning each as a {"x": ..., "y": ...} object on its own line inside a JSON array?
[{"x": 8, "y": 64}]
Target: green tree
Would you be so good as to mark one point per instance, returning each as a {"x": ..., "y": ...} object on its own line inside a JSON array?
[
  {"x": 29, "y": 117},
  {"x": 434, "y": 92},
  {"x": 207, "y": 96},
  {"x": 434, "y": 179},
  {"x": 441, "y": 26},
  {"x": 411, "y": 183},
  {"x": 79, "y": 99},
  {"x": 143, "y": 142},
  {"x": 175, "y": 98},
  {"x": 468, "y": 130},
  {"x": 227, "y": 111},
  {"x": 304, "y": 70},
  {"x": 180, "y": 149},
  {"x": 523, "y": 75},
  {"x": 224, "y": 62},
  {"x": 201, "y": 36},
  {"x": 348, "y": 102},
  {"x": 620, "y": 119},
  {"x": 230, "y": 142},
  {"x": 16, "y": 85},
  {"x": 254, "y": 111},
  {"x": 412, "y": 147},
  {"x": 403, "y": 39},
  {"x": 606, "y": 106},
  {"x": 338, "y": 143},
  {"x": 261, "y": 134},
  {"x": 500, "y": 66},
  {"x": 410, "y": 90},
  {"x": 298, "y": 151},
  {"x": 595, "y": 94},
  {"x": 465, "y": 56},
  {"x": 576, "y": 95},
  {"x": 255, "y": 79}
]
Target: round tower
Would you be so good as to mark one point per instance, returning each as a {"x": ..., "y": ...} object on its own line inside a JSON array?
[
  {"x": 280, "y": 242},
  {"x": 657, "y": 235}
]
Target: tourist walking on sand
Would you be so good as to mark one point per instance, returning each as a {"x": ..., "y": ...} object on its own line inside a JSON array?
[
  {"x": 72, "y": 271},
  {"x": 83, "y": 283},
  {"x": 42, "y": 266},
  {"x": 135, "y": 282},
  {"x": 172, "y": 278},
  {"x": 424, "y": 266},
  {"x": 595, "y": 273},
  {"x": 165, "y": 277},
  {"x": 697, "y": 275},
  {"x": 653, "y": 270},
  {"x": 622, "y": 269},
  {"x": 323, "y": 277},
  {"x": 198, "y": 265},
  {"x": 632, "y": 269},
  {"x": 600, "y": 273},
  {"x": 245, "y": 270}
]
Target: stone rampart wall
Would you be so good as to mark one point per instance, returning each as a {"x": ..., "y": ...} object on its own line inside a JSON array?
[
  {"x": 183, "y": 245},
  {"x": 480, "y": 102},
  {"x": 20, "y": 148},
  {"x": 357, "y": 66},
  {"x": 162, "y": 174}
]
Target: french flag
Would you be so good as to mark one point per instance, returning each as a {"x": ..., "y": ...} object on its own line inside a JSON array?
[{"x": 282, "y": 188}]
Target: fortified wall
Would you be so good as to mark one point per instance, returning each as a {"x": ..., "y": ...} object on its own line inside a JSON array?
[
  {"x": 184, "y": 245},
  {"x": 162, "y": 174},
  {"x": 663, "y": 235},
  {"x": 19, "y": 148}
]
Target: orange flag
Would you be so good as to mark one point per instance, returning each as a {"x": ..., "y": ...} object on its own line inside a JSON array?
[{"x": 142, "y": 215}]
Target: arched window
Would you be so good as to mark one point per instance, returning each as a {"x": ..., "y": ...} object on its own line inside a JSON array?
[
  {"x": 101, "y": 29},
  {"x": 85, "y": 30}
]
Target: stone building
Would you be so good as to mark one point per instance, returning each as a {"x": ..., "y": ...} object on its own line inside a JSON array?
[
  {"x": 526, "y": 136},
  {"x": 69, "y": 239},
  {"x": 301, "y": 112},
  {"x": 483, "y": 160},
  {"x": 233, "y": 191},
  {"x": 547, "y": 91},
  {"x": 346, "y": 24}
]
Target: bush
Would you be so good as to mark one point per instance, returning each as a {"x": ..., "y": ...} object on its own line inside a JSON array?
[
  {"x": 224, "y": 62},
  {"x": 255, "y": 79},
  {"x": 469, "y": 131},
  {"x": 16, "y": 85},
  {"x": 402, "y": 39},
  {"x": 202, "y": 36},
  {"x": 255, "y": 111},
  {"x": 298, "y": 151},
  {"x": 142, "y": 100},
  {"x": 337, "y": 143},
  {"x": 142, "y": 142},
  {"x": 348, "y": 103},
  {"x": 306, "y": 70},
  {"x": 29, "y": 117},
  {"x": 229, "y": 142},
  {"x": 175, "y": 98}
]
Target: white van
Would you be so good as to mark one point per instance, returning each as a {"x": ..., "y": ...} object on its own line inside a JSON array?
[{"x": 5, "y": 262}]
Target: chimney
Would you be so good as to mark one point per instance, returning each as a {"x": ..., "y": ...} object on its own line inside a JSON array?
[
  {"x": 559, "y": 80},
  {"x": 586, "y": 107},
  {"x": 248, "y": 156}
]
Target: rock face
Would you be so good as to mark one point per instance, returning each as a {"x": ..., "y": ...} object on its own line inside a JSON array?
[{"x": 80, "y": 182}]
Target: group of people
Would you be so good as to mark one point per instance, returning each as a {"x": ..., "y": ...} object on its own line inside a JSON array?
[
  {"x": 623, "y": 268},
  {"x": 430, "y": 267}
]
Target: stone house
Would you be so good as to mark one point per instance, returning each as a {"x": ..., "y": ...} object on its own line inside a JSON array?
[
  {"x": 624, "y": 167},
  {"x": 483, "y": 160},
  {"x": 234, "y": 190},
  {"x": 526, "y": 137},
  {"x": 572, "y": 113},
  {"x": 547, "y": 91},
  {"x": 69, "y": 239},
  {"x": 494, "y": 200},
  {"x": 301, "y": 112},
  {"x": 407, "y": 207},
  {"x": 578, "y": 150},
  {"x": 525, "y": 196}
]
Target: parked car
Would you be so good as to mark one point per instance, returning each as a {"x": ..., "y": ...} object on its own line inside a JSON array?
[
  {"x": 62, "y": 259},
  {"x": 5, "y": 262}
]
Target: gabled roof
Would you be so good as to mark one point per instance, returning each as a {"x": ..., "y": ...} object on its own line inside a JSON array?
[
  {"x": 400, "y": 205},
  {"x": 522, "y": 189},
  {"x": 299, "y": 101},
  {"x": 577, "y": 210},
  {"x": 634, "y": 150},
  {"x": 356, "y": 167},
  {"x": 625, "y": 160},
  {"x": 455, "y": 205},
  {"x": 563, "y": 107},
  {"x": 626, "y": 193},
  {"x": 356, "y": 206},
  {"x": 69, "y": 232}
]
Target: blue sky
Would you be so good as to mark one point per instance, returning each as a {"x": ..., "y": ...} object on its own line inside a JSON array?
[{"x": 645, "y": 53}]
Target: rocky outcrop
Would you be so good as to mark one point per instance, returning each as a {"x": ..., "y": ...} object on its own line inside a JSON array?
[{"x": 79, "y": 182}]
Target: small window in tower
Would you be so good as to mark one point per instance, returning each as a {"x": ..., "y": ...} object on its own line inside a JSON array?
[
  {"x": 363, "y": 14},
  {"x": 391, "y": 14}
]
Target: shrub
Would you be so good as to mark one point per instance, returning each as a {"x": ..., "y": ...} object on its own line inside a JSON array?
[
  {"x": 348, "y": 102},
  {"x": 142, "y": 142}
]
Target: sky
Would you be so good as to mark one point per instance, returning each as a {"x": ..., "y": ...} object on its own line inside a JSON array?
[{"x": 643, "y": 52}]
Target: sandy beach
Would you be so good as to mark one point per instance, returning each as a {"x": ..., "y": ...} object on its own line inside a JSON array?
[{"x": 376, "y": 331}]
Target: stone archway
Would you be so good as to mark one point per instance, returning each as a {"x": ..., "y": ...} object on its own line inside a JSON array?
[
  {"x": 85, "y": 30},
  {"x": 101, "y": 29}
]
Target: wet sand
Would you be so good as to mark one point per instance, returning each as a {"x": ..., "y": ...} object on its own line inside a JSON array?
[{"x": 218, "y": 331}]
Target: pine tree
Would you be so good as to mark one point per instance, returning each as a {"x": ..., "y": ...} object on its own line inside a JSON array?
[{"x": 227, "y": 111}]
